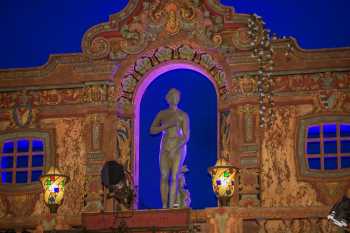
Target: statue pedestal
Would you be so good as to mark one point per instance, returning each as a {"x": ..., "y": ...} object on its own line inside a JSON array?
[{"x": 159, "y": 218}]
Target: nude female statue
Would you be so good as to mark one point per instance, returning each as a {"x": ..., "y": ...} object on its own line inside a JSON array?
[{"x": 174, "y": 125}]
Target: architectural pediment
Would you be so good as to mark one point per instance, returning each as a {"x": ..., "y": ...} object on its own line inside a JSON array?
[{"x": 141, "y": 22}]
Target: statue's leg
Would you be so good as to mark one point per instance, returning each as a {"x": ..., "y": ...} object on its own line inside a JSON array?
[
  {"x": 177, "y": 162},
  {"x": 164, "y": 173}
]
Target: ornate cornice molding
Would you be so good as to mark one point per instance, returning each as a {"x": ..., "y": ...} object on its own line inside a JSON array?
[
  {"x": 89, "y": 93},
  {"x": 290, "y": 45},
  {"x": 294, "y": 82},
  {"x": 43, "y": 70}
]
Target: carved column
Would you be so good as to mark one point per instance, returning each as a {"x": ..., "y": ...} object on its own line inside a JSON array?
[
  {"x": 95, "y": 159},
  {"x": 124, "y": 150},
  {"x": 225, "y": 134},
  {"x": 226, "y": 150},
  {"x": 249, "y": 178},
  {"x": 123, "y": 146}
]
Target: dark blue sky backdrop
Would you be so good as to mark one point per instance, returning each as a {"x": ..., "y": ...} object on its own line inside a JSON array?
[
  {"x": 198, "y": 99},
  {"x": 31, "y": 30}
]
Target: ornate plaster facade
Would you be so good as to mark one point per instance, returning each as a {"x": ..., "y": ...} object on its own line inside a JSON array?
[{"x": 88, "y": 102}]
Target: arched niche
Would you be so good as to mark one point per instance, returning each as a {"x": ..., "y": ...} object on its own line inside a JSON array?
[
  {"x": 199, "y": 100},
  {"x": 145, "y": 70}
]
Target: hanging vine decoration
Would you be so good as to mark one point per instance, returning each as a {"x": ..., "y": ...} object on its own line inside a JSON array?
[{"x": 263, "y": 52}]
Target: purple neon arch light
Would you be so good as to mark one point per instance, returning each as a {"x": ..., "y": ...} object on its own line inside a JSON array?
[{"x": 140, "y": 90}]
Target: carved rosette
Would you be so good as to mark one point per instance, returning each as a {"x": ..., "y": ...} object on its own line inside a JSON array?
[
  {"x": 95, "y": 159},
  {"x": 164, "y": 54}
]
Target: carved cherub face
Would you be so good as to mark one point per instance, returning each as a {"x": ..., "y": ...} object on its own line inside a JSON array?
[{"x": 173, "y": 97}]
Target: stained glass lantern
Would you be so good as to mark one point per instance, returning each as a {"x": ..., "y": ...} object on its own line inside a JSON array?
[
  {"x": 53, "y": 183},
  {"x": 223, "y": 181}
]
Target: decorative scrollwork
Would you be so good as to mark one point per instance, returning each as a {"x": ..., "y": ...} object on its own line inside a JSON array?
[
  {"x": 157, "y": 19},
  {"x": 100, "y": 48},
  {"x": 134, "y": 40},
  {"x": 241, "y": 39}
]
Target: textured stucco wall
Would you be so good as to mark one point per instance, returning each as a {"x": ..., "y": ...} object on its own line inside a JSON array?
[{"x": 280, "y": 187}]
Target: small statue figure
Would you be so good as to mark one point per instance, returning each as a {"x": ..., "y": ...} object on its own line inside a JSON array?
[
  {"x": 183, "y": 199},
  {"x": 174, "y": 125}
]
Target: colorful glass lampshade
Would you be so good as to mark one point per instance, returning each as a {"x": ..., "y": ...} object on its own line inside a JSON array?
[
  {"x": 54, "y": 183},
  {"x": 223, "y": 181}
]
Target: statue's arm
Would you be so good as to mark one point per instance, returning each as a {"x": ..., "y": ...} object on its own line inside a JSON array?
[
  {"x": 186, "y": 132},
  {"x": 156, "y": 127}
]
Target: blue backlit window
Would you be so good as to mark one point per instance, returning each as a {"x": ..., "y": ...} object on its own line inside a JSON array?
[
  {"x": 22, "y": 160},
  {"x": 327, "y": 146}
]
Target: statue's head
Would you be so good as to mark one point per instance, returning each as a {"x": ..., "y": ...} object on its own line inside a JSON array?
[{"x": 173, "y": 97}]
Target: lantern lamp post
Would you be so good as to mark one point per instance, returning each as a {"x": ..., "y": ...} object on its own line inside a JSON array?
[
  {"x": 223, "y": 181},
  {"x": 54, "y": 183}
]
